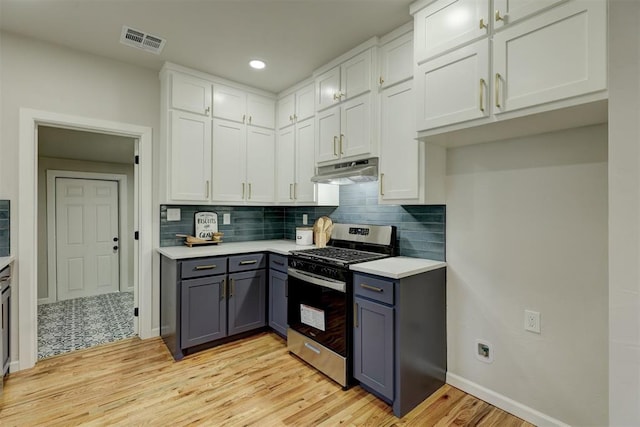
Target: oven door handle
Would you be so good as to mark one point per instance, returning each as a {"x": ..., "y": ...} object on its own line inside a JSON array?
[{"x": 317, "y": 280}]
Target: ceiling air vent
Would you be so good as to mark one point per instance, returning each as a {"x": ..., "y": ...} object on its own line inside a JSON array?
[{"x": 141, "y": 40}]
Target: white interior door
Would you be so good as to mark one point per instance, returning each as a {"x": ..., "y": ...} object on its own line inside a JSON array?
[{"x": 86, "y": 237}]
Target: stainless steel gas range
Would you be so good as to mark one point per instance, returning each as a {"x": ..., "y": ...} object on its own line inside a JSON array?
[{"x": 321, "y": 296}]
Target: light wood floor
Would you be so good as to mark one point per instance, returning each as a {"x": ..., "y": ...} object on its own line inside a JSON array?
[{"x": 254, "y": 381}]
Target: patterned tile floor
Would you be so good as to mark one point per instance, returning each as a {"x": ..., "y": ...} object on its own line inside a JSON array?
[{"x": 79, "y": 323}]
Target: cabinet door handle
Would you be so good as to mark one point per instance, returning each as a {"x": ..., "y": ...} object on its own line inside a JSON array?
[
  {"x": 498, "y": 17},
  {"x": 295, "y": 190},
  {"x": 295, "y": 117},
  {"x": 290, "y": 191},
  {"x": 243, "y": 117},
  {"x": 381, "y": 80},
  {"x": 206, "y": 267},
  {"x": 224, "y": 288},
  {"x": 482, "y": 24},
  {"x": 249, "y": 262},
  {"x": 278, "y": 262},
  {"x": 381, "y": 181},
  {"x": 206, "y": 110},
  {"x": 286, "y": 289},
  {"x": 232, "y": 286},
  {"x": 497, "y": 88},
  {"x": 336, "y": 96},
  {"x": 355, "y": 315},
  {"x": 291, "y": 119},
  {"x": 250, "y": 119},
  {"x": 249, "y": 192},
  {"x": 482, "y": 83},
  {"x": 335, "y": 139},
  {"x": 341, "y": 139},
  {"x": 371, "y": 288},
  {"x": 5, "y": 279},
  {"x": 206, "y": 189},
  {"x": 243, "y": 190}
]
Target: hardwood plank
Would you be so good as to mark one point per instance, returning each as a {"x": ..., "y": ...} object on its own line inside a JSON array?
[{"x": 254, "y": 381}]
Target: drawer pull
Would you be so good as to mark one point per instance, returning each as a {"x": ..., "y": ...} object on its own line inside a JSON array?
[
  {"x": 206, "y": 267},
  {"x": 312, "y": 348},
  {"x": 5, "y": 278},
  {"x": 253, "y": 261},
  {"x": 232, "y": 287},
  {"x": 355, "y": 315},
  {"x": 371, "y": 288},
  {"x": 223, "y": 287},
  {"x": 278, "y": 262}
]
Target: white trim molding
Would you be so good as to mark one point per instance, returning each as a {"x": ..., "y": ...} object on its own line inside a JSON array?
[
  {"x": 503, "y": 402},
  {"x": 27, "y": 220}
]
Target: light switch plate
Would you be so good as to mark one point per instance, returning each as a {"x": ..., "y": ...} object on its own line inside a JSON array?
[
  {"x": 305, "y": 219},
  {"x": 173, "y": 214},
  {"x": 226, "y": 219}
]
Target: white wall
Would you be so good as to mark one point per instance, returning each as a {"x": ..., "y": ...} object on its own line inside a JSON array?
[
  {"x": 51, "y": 78},
  {"x": 624, "y": 213},
  {"x": 48, "y": 163},
  {"x": 527, "y": 229}
]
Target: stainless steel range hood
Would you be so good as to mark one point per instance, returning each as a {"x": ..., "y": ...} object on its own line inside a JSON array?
[{"x": 352, "y": 172}]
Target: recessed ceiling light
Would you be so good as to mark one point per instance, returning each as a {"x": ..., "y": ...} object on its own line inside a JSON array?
[{"x": 257, "y": 64}]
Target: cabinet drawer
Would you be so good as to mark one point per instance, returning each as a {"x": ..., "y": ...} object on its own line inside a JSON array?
[
  {"x": 199, "y": 267},
  {"x": 247, "y": 262},
  {"x": 374, "y": 288},
  {"x": 278, "y": 262}
]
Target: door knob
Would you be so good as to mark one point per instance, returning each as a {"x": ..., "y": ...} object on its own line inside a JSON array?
[
  {"x": 115, "y": 248},
  {"x": 115, "y": 239}
]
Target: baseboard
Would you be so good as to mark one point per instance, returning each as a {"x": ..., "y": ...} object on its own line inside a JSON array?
[
  {"x": 155, "y": 332},
  {"x": 503, "y": 402},
  {"x": 44, "y": 300},
  {"x": 14, "y": 366}
]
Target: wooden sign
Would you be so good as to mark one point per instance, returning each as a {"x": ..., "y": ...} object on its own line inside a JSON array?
[{"x": 206, "y": 223}]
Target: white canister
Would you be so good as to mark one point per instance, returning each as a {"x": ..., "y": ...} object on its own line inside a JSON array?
[{"x": 304, "y": 236}]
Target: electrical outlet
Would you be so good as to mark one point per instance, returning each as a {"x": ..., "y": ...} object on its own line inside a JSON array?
[
  {"x": 305, "y": 219},
  {"x": 484, "y": 351},
  {"x": 226, "y": 219},
  {"x": 532, "y": 321},
  {"x": 173, "y": 214}
]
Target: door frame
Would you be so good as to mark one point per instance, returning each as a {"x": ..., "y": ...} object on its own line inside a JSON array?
[
  {"x": 123, "y": 213},
  {"x": 146, "y": 225}
]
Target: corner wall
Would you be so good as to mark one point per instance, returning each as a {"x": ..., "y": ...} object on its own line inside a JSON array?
[
  {"x": 624, "y": 212},
  {"x": 527, "y": 229}
]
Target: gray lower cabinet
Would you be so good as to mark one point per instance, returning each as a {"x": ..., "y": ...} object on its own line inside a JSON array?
[
  {"x": 373, "y": 346},
  {"x": 208, "y": 299},
  {"x": 203, "y": 310},
  {"x": 246, "y": 301},
  {"x": 400, "y": 336},
  {"x": 278, "y": 293}
]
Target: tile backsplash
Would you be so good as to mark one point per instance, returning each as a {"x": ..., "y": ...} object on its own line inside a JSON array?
[
  {"x": 5, "y": 227},
  {"x": 421, "y": 229}
]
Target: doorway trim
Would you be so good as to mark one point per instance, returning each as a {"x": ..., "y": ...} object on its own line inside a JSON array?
[
  {"x": 123, "y": 225},
  {"x": 27, "y": 216}
]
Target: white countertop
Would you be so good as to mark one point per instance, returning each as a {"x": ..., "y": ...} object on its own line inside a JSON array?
[
  {"x": 397, "y": 267},
  {"x": 5, "y": 260},
  {"x": 281, "y": 247}
]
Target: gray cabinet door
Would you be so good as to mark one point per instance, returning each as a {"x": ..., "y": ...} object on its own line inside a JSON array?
[
  {"x": 278, "y": 292},
  {"x": 373, "y": 346},
  {"x": 247, "y": 301},
  {"x": 203, "y": 310}
]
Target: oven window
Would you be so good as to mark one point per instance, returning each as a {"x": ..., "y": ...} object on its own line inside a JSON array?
[{"x": 319, "y": 313}]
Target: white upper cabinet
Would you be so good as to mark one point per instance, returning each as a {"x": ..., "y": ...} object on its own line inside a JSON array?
[
  {"x": 548, "y": 56},
  {"x": 261, "y": 152},
  {"x": 345, "y": 130},
  {"x": 507, "y": 12},
  {"x": 556, "y": 55},
  {"x": 229, "y": 103},
  {"x": 190, "y": 170},
  {"x": 454, "y": 87},
  {"x": 229, "y": 161},
  {"x": 345, "y": 81},
  {"x": 399, "y": 151},
  {"x": 296, "y": 107},
  {"x": 396, "y": 60},
  {"x": 447, "y": 24},
  {"x": 190, "y": 94},
  {"x": 286, "y": 111},
  {"x": 296, "y": 163},
  {"x": 239, "y": 106}
]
